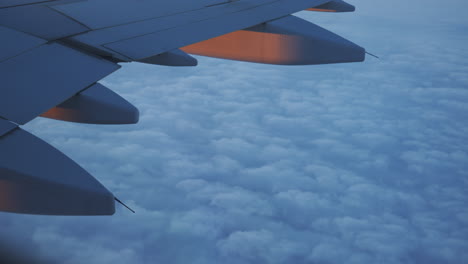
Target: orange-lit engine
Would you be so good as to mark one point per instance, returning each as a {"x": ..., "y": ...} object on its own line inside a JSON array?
[
  {"x": 7, "y": 201},
  {"x": 250, "y": 46},
  {"x": 320, "y": 10},
  {"x": 61, "y": 113}
]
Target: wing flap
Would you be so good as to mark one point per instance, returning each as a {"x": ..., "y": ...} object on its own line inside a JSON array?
[
  {"x": 121, "y": 12},
  {"x": 49, "y": 75},
  {"x": 41, "y": 21},
  {"x": 121, "y": 32},
  {"x": 16, "y": 43}
]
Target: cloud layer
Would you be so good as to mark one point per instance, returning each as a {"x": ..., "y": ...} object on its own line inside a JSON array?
[{"x": 243, "y": 163}]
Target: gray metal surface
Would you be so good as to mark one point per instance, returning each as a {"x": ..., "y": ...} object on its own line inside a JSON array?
[
  {"x": 13, "y": 3},
  {"x": 6, "y": 126},
  {"x": 35, "y": 178},
  {"x": 109, "y": 13},
  {"x": 15, "y": 42},
  {"x": 159, "y": 23},
  {"x": 95, "y": 105},
  {"x": 44, "y": 77},
  {"x": 40, "y": 21}
]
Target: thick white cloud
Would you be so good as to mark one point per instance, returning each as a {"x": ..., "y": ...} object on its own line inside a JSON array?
[{"x": 244, "y": 163}]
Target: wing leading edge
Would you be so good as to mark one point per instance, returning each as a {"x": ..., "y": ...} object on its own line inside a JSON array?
[{"x": 56, "y": 51}]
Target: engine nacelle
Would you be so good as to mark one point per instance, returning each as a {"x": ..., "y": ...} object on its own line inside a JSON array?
[{"x": 286, "y": 41}]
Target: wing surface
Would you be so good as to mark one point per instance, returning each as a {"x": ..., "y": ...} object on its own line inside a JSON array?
[
  {"x": 17, "y": 43},
  {"x": 42, "y": 21},
  {"x": 34, "y": 89},
  {"x": 164, "y": 31},
  {"x": 16, "y": 3},
  {"x": 54, "y": 52}
]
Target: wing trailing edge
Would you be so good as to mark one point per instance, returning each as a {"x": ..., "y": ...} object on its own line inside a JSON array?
[{"x": 16, "y": 3}]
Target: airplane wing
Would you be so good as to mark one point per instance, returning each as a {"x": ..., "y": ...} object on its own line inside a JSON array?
[{"x": 54, "y": 52}]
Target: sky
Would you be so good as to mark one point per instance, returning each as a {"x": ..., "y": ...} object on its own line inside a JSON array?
[{"x": 244, "y": 163}]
